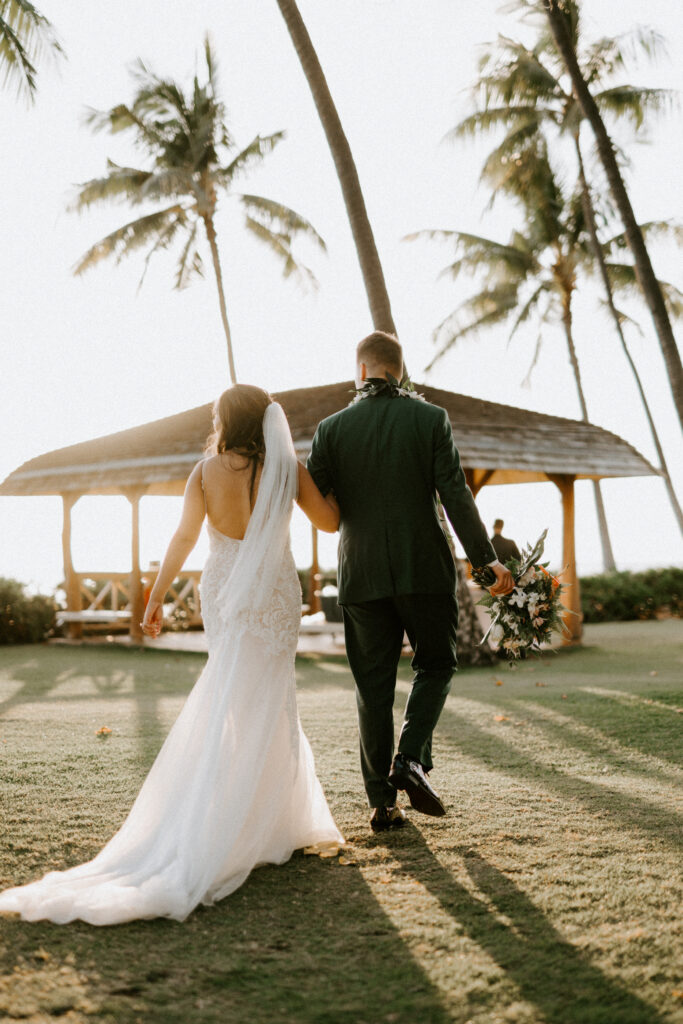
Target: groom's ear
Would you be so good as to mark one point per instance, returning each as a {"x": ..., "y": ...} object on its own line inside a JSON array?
[{"x": 363, "y": 371}]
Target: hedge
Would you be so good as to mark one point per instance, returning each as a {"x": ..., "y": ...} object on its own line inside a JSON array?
[
  {"x": 623, "y": 596},
  {"x": 24, "y": 618}
]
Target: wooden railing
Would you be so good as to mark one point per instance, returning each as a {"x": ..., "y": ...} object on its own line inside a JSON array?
[{"x": 104, "y": 600}]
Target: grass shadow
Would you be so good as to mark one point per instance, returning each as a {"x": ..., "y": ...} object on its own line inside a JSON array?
[
  {"x": 556, "y": 977},
  {"x": 306, "y": 942},
  {"x": 460, "y": 733}
]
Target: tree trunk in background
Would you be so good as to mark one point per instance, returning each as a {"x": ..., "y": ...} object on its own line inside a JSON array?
[
  {"x": 368, "y": 257},
  {"x": 608, "y": 563},
  {"x": 644, "y": 271},
  {"x": 211, "y": 235},
  {"x": 589, "y": 214},
  {"x": 469, "y": 631}
]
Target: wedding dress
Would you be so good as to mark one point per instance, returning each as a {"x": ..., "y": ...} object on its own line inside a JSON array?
[{"x": 234, "y": 785}]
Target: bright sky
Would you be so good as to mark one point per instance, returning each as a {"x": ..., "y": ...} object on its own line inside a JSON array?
[{"x": 84, "y": 357}]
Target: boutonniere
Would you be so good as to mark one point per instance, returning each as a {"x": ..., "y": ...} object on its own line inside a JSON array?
[{"x": 386, "y": 386}]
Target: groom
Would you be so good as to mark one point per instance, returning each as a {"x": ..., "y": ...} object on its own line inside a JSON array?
[{"x": 387, "y": 457}]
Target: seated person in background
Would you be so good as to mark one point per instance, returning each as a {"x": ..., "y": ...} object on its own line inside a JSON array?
[{"x": 503, "y": 546}]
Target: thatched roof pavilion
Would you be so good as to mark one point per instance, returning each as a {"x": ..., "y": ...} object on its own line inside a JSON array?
[
  {"x": 498, "y": 444},
  {"x": 512, "y": 445}
]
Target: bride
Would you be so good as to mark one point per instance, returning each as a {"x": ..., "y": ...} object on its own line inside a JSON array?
[{"x": 234, "y": 784}]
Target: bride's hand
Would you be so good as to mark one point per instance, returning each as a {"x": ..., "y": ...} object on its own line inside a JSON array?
[{"x": 153, "y": 620}]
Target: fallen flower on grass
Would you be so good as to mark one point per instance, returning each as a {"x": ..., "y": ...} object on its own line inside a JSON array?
[
  {"x": 501, "y": 718},
  {"x": 103, "y": 732},
  {"x": 324, "y": 849}
]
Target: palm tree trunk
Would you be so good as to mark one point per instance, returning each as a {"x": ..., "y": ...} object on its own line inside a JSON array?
[
  {"x": 609, "y": 565},
  {"x": 368, "y": 257},
  {"x": 644, "y": 271},
  {"x": 211, "y": 235},
  {"x": 589, "y": 214}
]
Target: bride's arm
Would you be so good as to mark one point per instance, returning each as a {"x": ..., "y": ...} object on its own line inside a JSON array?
[
  {"x": 182, "y": 543},
  {"x": 323, "y": 512}
]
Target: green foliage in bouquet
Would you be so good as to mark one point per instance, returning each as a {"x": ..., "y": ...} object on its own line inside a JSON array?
[{"x": 525, "y": 619}]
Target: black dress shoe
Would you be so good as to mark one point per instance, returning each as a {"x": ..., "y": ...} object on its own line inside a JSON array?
[
  {"x": 410, "y": 776},
  {"x": 387, "y": 817}
]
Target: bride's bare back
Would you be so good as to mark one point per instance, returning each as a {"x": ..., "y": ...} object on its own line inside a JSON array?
[{"x": 226, "y": 480}]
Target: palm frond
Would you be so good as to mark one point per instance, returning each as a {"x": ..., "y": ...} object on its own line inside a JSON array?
[
  {"x": 121, "y": 118},
  {"x": 280, "y": 244},
  {"x": 527, "y": 309},
  {"x": 515, "y": 115},
  {"x": 190, "y": 262},
  {"x": 652, "y": 230},
  {"x": 526, "y": 381},
  {"x": 488, "y": 307},
  {"x": 25, "y": 34},
  {"x": 162, "y": 225},
  {"x": 633, "y": 103},
  {"x": 120, "y": 183},
  {"x": 280, "y": 219},
  {"x": 608, "y": 55},
  {"x": 169, "y": 181},
  {"x": 258, "y": 148},
  {"x": 623, "y": 279}
]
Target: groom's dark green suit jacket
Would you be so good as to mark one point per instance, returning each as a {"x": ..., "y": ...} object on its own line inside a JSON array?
[{"x": 386, "y": 459}]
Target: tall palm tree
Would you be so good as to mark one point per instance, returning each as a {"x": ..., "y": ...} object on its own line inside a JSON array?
[
  {"x": 192, "y": 159},
  {"x": 469, "y": 631},
  {"x": 368, "y": 257},
  {"x": 563, "y": 19},
  {"x": 534, "y": 274},
  {"x": 25, "y": 34},
  {"x": 524, "y": 91}
]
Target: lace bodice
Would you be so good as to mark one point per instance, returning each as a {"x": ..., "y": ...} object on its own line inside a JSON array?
[{"x": 278, "y": 625}]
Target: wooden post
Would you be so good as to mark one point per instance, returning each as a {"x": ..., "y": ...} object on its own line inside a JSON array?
[
  {"x": 572, "y": 596},
  {"x": 314, "y": 603},
  {"x": 137, "y": 603},
  {"x": 71, "y": 582}
]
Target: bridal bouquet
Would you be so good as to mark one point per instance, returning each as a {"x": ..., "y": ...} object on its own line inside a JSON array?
[{"x": 523, "y": 620}]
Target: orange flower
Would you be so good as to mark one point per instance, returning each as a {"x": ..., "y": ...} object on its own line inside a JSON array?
[{"x": 556, "y": 582}]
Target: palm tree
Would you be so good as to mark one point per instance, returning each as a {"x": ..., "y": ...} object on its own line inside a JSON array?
[
  {"x": 563, "y": 20},
  {"x": 24, "y": 34},
  {"x": 469, "y": 631},
  {"x": 523, "y": 91},
  {"x": 368, "y": 257},
  {"x": 192, "y": 158},
  {"x": 533, "y": 274}
]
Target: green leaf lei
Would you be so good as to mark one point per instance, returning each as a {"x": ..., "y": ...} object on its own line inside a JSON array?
[{"x": 386, "y": 386}]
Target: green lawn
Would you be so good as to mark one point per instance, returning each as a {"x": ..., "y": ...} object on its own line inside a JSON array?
[{"x": 550, "y": 893}]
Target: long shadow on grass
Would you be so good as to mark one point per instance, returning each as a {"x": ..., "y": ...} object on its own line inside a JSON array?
[
  {"x": 462, "y": 734},
  {"x": 306, "y": 942},
  {"x": 656, "y": 736},
  {"x": 115, "y": 673},
  {"x": 552, "y": 974}
]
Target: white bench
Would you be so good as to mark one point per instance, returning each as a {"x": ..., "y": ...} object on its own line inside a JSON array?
[{"x": 96, "y": 615}]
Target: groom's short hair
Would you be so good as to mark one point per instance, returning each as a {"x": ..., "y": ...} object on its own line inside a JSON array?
[{"x": 381, "y": 350}]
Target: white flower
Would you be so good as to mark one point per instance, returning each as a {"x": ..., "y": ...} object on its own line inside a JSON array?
[
  {"x": 496, "y": 635},
  {"x": 518, "y": 597},
  {"x": 539, "y": 620},
  {"x": 528, "y": 577}
]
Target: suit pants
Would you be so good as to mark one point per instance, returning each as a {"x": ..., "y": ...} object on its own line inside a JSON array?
[{"x": 374, "y": 638}]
